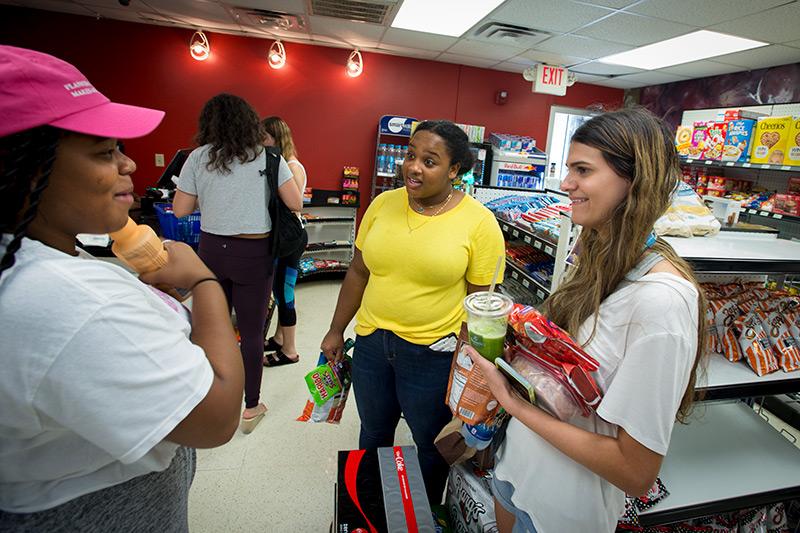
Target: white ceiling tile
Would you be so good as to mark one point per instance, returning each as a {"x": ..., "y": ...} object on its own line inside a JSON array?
[
  {"x": 596, "y": 80},
  {"x": 595, "y": 67},
  {"x": 466, "y": 60},
  {"x": 634, "y": 30},
  {"x": 702, "y": 13},
  {"x": 562, "y": 16},
  {"x": 327, "y": 40},
  {"x": 621, "y": 83},
  {"x": 575, "y": 45},
  {"x": 406, "y": 51},
  {"x": 766, "y": 56},
  {"x": 507, "y": 66},
  {"x": 700, "y": 69},
  {"x": 795, "y": 44},
  {"x": 777, "y": 25},
  {"x": 195, "y": 12},
  {"x": 417, "y": 39},
  {"x": 467, "y": 47},
  {"x": 614, "y": 4},
  {"x": 537, "y": 56},
  {"x": 652, "y": 78},
  {"x": 346, "y": 31},
  {"x": 294, "y": 7}
]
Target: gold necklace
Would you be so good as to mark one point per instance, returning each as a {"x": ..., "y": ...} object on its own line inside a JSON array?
[
  {"x": 441, "y": 207},
  {"x": 421, "y": 208}
]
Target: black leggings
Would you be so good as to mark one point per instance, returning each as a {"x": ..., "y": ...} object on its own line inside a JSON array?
[
  {"x": 286, "y": 272},
  {"x": 244, "y": 268}
]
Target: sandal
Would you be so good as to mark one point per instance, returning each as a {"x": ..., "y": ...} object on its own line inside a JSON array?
[
  {"x": 279, "y": 359},
  {"x": 249, "y": 424},
  {"x": 271, "y": 345}
]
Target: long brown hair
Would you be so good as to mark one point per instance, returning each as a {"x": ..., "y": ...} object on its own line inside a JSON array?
[
  {"x": 279, "y": 130},
  {"x": 639, "y": 148},
  {"x": 231, "y": 126}
]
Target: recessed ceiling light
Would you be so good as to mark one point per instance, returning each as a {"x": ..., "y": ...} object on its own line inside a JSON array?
[
  {"x": 443, "y": 17},
  {"x": 684, "y": 49}
]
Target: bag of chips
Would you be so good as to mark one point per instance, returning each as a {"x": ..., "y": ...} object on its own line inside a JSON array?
[
  {"x": 725, "y": 314},
  {"x": 784, "y": 346},
  {"x": 755, "y": 345},
  {"x": 329, "y": 385}
]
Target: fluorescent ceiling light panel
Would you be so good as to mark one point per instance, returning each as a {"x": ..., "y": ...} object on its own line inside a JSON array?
[
  {"x": 684, "y": 49},
  {"x": 442, "y": 17}
]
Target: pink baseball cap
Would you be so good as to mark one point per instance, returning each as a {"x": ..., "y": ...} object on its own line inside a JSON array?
[{"x": 38, "y": 89}]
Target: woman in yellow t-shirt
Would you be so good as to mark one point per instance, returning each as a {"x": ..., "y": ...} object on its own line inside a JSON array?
[{"x": 419, "y": 251}]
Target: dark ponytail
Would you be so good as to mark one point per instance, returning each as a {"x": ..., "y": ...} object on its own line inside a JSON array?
[
  {"x": 456, "y": 141},
  {"x": 26, "y": 160}
]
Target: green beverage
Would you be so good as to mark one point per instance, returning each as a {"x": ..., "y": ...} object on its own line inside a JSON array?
[{"x": 487, "y": 318}]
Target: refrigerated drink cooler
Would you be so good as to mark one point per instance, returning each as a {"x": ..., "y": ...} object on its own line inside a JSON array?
[{"x": 521, "y": 170}]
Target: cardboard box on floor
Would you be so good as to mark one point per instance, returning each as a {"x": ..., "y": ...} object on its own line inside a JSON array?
[{"x": 380, "y": 491}]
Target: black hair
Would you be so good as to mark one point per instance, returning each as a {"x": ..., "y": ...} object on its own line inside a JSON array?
[
  {"x": 232, "y": 127},
  {"x": 455, "y": 140},
  {"x": 26, "y": 160}
]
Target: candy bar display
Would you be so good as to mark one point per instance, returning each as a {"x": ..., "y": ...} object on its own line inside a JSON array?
[
  {"x": 537, "y": 263},
  {"x": 513, "y": 143},
  {"x": 310, "y": 265},
  {"x": 539, "y": 214},
  {"x": 761, "y": 326}
]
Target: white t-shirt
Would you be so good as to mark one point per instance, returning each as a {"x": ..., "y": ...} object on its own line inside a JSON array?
[
  {"x": 231, "y": 203},
  {"x": 97, "y": 369},
  {"x": 645, "y": 342}
]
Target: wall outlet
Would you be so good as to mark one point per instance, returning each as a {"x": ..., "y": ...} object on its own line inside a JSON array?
[{"x": 159, "y": 160}]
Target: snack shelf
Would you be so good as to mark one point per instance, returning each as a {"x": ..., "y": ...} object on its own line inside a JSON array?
[
  {"x": 318, "y": 247},
  {"x": 520, "y": 274},
  {"x": 328, "y": 220},
  {"x": 529, "y": 237},
  {"x": 728, "y": 458},
  {"x": 737, "y": 164},
  {"x": 325, "y": 272},
  {"x": 739, "y": 253},
  {"x": 331, "y": 230},
  {"x": 727, "y": 380},
  {"x": 770, "y": 214}
]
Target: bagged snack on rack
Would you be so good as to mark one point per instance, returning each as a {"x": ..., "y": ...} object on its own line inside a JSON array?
[
  {"x": 713, "y": 344},
  {"x": 725, "y": 314},
  {"x": 687, "y": 209},
  {"x": 784, "y": 345},
  {"x": 328, "y": 385},
  {"x": 755, "y": 345}
]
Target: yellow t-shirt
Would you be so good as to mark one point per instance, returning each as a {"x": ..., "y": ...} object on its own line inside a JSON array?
[{"x": 419, "y": 266}]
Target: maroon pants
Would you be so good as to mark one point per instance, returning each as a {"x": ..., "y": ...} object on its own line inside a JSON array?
[{"x": 244, "y": 267}]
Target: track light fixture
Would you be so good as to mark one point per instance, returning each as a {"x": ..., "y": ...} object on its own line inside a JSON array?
[
  {"x": 355, "y": 64},
  {"x": 199, "y": 47},
  {"x": 276, "y": 55}
]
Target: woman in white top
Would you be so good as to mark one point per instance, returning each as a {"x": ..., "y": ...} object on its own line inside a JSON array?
[
  {"x": 104, "y": 393},
  {"x": 281, "y": 348},
  {"x": 636, "y": 307}
]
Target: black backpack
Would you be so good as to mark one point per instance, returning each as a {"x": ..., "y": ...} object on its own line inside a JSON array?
[{"x": 287, "y": 231}]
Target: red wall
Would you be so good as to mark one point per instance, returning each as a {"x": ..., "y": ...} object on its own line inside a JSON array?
[{"x": 334, "y": 118}]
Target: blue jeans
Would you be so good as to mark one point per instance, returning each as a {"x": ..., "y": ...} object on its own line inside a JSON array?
[{"x": 393, "y": 376}]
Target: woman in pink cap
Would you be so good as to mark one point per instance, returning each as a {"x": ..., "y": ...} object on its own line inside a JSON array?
[{"x": 104, "y": 394}]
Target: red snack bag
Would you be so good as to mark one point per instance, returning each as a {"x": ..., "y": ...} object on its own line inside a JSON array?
[
  {"x": 754, "y": 342},
  {"x": 725, "y": 314},
  {"x": 784, "y": 345}
]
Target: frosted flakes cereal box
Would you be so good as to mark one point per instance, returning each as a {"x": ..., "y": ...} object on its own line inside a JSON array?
[
  {"x": 737, "y": 142},
  {"x": 698, "y": 140},
  {"x": 715, "y": 140},
  {"x": 683, "y": 140},
  {"x": 770, "y": 139},
  {"x": 792, "y": 156}
]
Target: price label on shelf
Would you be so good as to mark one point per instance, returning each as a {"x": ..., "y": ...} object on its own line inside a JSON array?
[
  {"x": 540, "y": 294},
  {"x": 746, "y": 165},
  {"x": 515, "y": 233},
  {"x": 729, "y": 164},
  {"x": 763, "y": 213},
  {"x": 527, "y": 239},
  {"x": 777, "y": 216},
  {"x": 709, "y": 162},
  {"x": 690, "y": 160},
  {"x": 514, "y": 274},
  {"x": 505, "y": 227},
  {"x": 526, "y": 283},
  {"x": 766, "y": 166},
  {"x": 751, "y": 211},
  {"x": 537, "y": 245},
  {"x": 786, "y": 167},
  {"x": 548, "y": 250}
]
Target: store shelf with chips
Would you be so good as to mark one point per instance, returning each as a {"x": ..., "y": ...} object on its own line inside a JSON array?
[{"x": 331, "y": 233}]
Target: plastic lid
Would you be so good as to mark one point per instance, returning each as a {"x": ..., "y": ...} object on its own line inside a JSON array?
[{"x": 488, "y": 304}]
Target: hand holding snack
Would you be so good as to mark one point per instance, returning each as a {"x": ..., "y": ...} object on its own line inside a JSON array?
[
  {"x": 332, "y": 345},
  {"x": 495, "y": 380}
]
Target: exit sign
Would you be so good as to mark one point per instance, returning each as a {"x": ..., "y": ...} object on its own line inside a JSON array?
[{"x": 550, "y": 80}]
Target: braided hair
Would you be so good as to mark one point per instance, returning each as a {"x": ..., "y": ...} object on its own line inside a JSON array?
[{"x": 26, "y": 161}]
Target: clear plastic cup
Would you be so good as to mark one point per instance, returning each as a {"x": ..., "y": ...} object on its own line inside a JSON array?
[{"x": 487, "y": 320}]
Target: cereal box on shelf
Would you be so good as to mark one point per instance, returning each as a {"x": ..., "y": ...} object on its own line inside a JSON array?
[
  {"x": 737, "y": 142},
  {"x": 698, "y": 140},
  {"x": 714, "y": 141},
  {"x": 683, "y": 140},
  {"x": 792, "y": 156},
  {"x": 770, "y": 139}
]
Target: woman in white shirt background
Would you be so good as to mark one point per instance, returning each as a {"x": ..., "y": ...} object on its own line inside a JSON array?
[
  {"x": 281, "y": 348},
  {"x": 637, "y": 308}
]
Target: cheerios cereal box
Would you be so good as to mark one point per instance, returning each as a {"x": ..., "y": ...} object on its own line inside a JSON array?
[
  {"x": 738, "y": 140},
  {"x": 715, "y": 140},
  {"x": 792, "y": 156},
  {"x": 770, "y": 139},
  {"x": 683, "y": 140}
]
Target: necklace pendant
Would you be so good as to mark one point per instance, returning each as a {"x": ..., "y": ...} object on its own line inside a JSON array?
[{"x": 419, "y": 209}]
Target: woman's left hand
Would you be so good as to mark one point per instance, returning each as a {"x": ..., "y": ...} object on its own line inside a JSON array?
[{"x": 498, "y": 384}]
